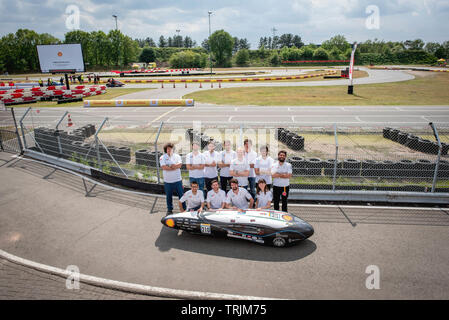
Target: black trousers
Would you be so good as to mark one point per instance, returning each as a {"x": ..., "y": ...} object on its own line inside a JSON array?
[
  {"x": 277, "y": 194},
  {"x": 208, "y": 183},
  {"x": 224, "y": 181}
]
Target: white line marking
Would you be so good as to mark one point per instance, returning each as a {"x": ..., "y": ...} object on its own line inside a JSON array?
[{"x": 361, "y": 207}]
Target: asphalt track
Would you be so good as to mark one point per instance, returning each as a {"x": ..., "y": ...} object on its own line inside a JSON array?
[
  {"x": 308, "y": 116},
  {"x": 46, "y": 218}
]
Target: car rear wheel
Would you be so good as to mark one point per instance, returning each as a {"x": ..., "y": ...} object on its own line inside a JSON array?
[{"x": 279, "y": 242}]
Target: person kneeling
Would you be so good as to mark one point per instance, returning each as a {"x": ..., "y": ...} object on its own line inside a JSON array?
[
  {"x": 193, "y": 198},
  {"x": 237, "y": 198}
]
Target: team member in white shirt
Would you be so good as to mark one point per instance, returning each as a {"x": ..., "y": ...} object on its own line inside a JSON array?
[
  {"x": 237, "y": 198},
  {"x": 171, "y": 163},
  {"x": 281, "y": 173},
  {"x": 239, "y": 169},
  {"x": 210, "y": 168},
  {"x": 250, "y": 156},
  {"x": 216, "y": 198},
  {"x": 195, "y": 163},
  {"x": 194, "y": 199},
  {"x": 263, "y": 166},
  {"x": 264, "y": 196},
  {"x": 226, "y": 157}
]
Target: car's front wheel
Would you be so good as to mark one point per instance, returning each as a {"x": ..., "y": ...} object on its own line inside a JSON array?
[{"x": 279, "y": 242}]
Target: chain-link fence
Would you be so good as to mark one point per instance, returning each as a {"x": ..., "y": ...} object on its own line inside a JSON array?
[{"x": 328, "y": 158}]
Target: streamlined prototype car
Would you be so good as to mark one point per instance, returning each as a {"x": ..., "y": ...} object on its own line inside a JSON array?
[{"x": 271, "y": 227}]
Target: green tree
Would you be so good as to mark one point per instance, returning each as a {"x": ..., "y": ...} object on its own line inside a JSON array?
[
  {"x": 221, "y": 44},
  {"x": 162, "y": 42},
  {"x": 148, "y": 55},
  {"x": 320, "y": 54},
  {"x": 242, "y": 57},
  {"x": 338, "y": 42}
]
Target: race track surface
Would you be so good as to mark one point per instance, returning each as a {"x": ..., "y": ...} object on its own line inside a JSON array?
[{"x": 46, "y": 218}]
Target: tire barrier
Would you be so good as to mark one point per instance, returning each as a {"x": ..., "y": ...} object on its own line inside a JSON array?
[
  {"x": 414, "y": 142},
  {"x": 140, "y": 103},
  {"x": 353, "y": 168},
  {"x": 27, "y": 95},
  {"x": 155, "y": 70},
  {"x": 304, "y": 76},
  {"x": 291, "y": 139},
  {"x": 407, "y": 68},
  {"x": 73, "y": 145},
  {"x": 192, "y": 135},
  {"x": 147, "y": 158}
]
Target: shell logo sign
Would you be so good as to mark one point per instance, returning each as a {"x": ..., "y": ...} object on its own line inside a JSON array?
[
  {"x": 59, "y": 54},
  {"x": 140, "y": 103}
]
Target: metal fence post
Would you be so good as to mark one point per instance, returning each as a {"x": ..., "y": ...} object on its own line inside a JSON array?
[
  {"x": 155, "y": 149},
  {"x": 336, "y": 158},
  {"x": 17, "y": 131},
  {"x": 21, "y": 127},
  {"x": 58, "y": 136},
  {"x": 437, "y": 164}
]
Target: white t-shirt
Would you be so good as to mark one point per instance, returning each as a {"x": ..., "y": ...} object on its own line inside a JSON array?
[
  {"x": 237, "y": 165},
  {"x": 226, "y": 158},
  {"x": 211, "y": 172},
  {"x": 193, "y": 200},
  {"x": 216, "y": 198},
  {"x": 264, "y": 198},
  {"x": 251, "y": 158},
  {"x": 239, "y": 200},
  {"x": 285, "y": 168},
  {"x": 265, "y": 165},
  {"x": 191, "y": 158},
  {"x": 171, "y": 176}
]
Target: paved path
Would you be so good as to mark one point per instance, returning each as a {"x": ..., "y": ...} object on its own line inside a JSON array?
[{"x": 46, "y": 218}]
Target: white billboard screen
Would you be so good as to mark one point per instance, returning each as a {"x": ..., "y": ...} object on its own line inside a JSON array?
[{"x": 61, "y": 58}]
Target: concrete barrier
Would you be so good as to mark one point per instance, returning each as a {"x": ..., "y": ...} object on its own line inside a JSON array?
[{"x": 139, "y": 103}]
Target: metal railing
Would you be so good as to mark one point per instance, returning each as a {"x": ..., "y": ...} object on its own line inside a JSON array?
[{"x": 327, "y": 158}]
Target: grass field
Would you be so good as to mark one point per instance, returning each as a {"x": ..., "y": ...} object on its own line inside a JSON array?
[
  {"x": 110, "y": 94},
  {"x": 426, "y": 89}
]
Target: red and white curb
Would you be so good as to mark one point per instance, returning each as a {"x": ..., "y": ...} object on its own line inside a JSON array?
[{"x": 125, "y": 286}]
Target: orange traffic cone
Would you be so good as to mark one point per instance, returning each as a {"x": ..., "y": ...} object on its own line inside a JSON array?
[
  {"x": 186, "y": 84},
  {"x": 69, "y": 124},
  {"x": 174, "y": 86},
  {"x": 162, "y": 87},
  {"x": 201, "y": 85}
]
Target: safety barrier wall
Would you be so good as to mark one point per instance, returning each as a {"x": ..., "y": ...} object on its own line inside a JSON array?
[
  {"x": 37, "y": 93},
  {"x": 139, "y": 103}
]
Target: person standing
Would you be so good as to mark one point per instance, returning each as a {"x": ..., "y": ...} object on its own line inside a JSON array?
[
  {"x": 226, "y": 157},
  {"x": 41, "y": 83},
  {"x": 281, "y": 173},
  {"x": 237, "y": 198},
  {"x": 263, "y": 166},
  {"x": 194, "y": 199},
  {"x": 195, "y": 162},
  {"x": 251, "y": 156},
  {"x": 216, "y": 198},
  {"x": 264, "y": 196},
  {"x": 171, "y": 163},
  {"x": 61, "y": 81},
  {"x": 239, "y": 169},
  {"x": 210, "y": 168}
]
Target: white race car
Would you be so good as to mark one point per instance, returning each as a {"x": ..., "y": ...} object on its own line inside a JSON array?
[{"x": 272, "y": 227}]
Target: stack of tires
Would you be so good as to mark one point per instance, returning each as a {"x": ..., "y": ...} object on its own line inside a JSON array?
[
  {"x": 414, "y": 142},
  {"x": 193, "y": 135},
  {"x": 291, "y": 139},
  {"x": 147, "y": 158}
]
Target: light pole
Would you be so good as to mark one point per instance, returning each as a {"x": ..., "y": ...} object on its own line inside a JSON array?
[
  {"x": 210, "y": 60},
  {"x": 115, "y": 17},
  {"x": 177, "y": 37},
  {"x": 116, "y": 28}
]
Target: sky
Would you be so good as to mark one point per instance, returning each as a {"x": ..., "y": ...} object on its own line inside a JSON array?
[{"x": 314, "y": 20}]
